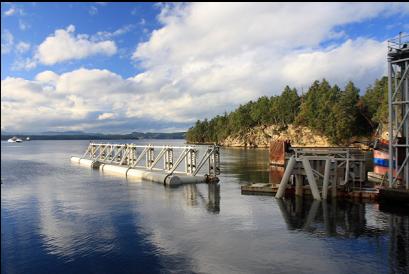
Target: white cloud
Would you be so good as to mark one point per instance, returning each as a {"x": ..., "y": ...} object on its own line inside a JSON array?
[
  {"x": 23, "y": 64},
  {"x": 205, "y": 59},
  {"x": 10, "y": 11},
  {"x": 353, "y": 60},
  {"x": 82, "y": 99},
  {"x": 106, "y": 115},
  {"x": 13, "y": 10},
  {"x": 63, "y": 45},
  {"x": 7, "y": 41},
  {"x": 47, "y": 77},
  {"x": 22, "y": 47},
  {"x": 71, "y": 29},
  {"x": 226, "y": 54},
  {"x": 105, "y": 35}
]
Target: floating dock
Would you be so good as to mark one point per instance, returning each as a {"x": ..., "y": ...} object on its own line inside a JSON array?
[{"x": 143, "y": 162}]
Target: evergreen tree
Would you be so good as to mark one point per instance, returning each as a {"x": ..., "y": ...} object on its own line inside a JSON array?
[{"x": 327, "y": 109}]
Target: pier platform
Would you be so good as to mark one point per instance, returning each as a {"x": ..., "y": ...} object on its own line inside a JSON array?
[{"x": 271, "y": 190}]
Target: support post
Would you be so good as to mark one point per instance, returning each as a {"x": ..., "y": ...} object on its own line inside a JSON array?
[
  {"x": 299, "y": 190},
  {"x": 390, "y": 121},
  {"x": 284, "y": 180},
  {"x": 311, "y": 180},
  {"x": 326, "y": 178},
  {"x": 334, "y": 180}
]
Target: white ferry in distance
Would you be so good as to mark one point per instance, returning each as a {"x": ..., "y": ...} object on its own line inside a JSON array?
[{"x": 14, "y": 140}]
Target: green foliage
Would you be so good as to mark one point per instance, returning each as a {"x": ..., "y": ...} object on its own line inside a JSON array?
[
  {"x": 374, "y": 104},
  {"x": 335, "y": 113}
]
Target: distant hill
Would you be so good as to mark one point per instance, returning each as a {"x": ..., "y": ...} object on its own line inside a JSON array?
[
  {"x": 78, "y": 135},
  {"x": 50, "y": 133}
]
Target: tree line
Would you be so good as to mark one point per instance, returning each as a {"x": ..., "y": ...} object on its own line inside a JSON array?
[{"x": 337, "y": 113}]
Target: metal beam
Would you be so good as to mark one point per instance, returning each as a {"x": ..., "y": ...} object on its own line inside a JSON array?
[
  {"x": 326, "y": 178},
  {"x": 286, "y": 177},
  {"x": 390, "y": 121},
  {"x": 311, "y": 180}
]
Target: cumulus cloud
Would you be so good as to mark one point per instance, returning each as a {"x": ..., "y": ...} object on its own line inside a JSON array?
[
  {"x": 47, "y": 77},
  {"x": 364, "y": 56},
  {"x": 63, "y": 45},
  {"x": 226, "y": 54},
  {"x": 206, "y": 58},
  {"x": 81, "y": 99}
]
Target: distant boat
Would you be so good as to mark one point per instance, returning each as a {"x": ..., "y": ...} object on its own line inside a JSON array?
[
  {"x": 14, "y": 140},
  {"x": 28, "y": 139}
]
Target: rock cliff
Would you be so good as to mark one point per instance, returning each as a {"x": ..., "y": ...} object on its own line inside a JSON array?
[{"x": 299, "y": 136}]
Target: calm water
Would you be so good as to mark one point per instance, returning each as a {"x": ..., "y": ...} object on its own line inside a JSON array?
[{"x": 62, "y": 218}]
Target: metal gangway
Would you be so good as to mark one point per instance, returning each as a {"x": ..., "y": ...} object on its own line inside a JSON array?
[{"x": 186, "y": 160}]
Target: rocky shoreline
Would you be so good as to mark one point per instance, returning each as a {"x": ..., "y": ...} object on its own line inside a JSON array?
[{"x": 260, "y": 137}]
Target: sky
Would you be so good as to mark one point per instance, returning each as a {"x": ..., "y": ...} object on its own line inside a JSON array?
[{"x": 124, "y": 67}]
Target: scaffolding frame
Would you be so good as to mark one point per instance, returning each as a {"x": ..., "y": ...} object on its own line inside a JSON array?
[{"x": 398, "y": 104}]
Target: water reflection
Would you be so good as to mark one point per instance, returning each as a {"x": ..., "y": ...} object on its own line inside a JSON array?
[
  {"x": 346, "y": 219},
  {"x": 248, "y": 165},
  {"x": 213, "y": 204},
  {"x": 330, "y": 218},
  {"x": 399, "y": 231},
  {"x": 275, "y": 174},
  {"x": 67, "y": 219},
  {"x": 192, "y": 196}
]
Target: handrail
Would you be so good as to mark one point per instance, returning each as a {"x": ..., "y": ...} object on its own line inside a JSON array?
[{"x": 132, "y": 154}]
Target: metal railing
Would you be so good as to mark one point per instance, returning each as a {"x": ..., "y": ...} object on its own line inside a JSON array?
[
  {"x": 349, "y": 163},
  {"x": 148, "y": 157},
  {"x": 398, "y": 42}
]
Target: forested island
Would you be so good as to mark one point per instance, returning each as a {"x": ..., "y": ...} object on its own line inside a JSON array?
[{"x": 327, "y": 110}]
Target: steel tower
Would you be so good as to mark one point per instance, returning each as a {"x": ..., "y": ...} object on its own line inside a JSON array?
[{"x": 398, "y": 103}]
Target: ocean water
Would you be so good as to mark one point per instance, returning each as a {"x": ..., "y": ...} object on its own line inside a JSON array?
[{"x": 58, "y": 217}]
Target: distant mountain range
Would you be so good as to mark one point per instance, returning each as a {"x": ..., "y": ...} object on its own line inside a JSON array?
[{"x": 79, "y": 135}]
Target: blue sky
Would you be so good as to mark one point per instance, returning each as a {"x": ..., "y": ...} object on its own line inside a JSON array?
[
  {"x": 123, "y": 67},
  {"x": 41, "y": 19}
]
